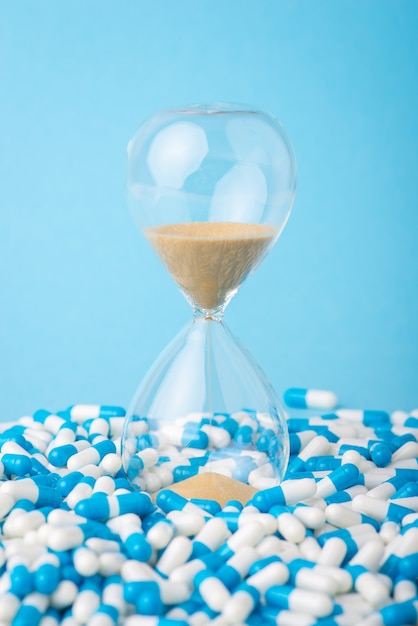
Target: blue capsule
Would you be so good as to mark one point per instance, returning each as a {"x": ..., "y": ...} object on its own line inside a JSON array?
[
  {"x": 343, "y": 477},
  {"x": 322, "y": 463},
  {"x": 27, "y": 614},
  {"x": 211, "y": 506},
  {"x": 109, "y": 610},
  {"x": 101, "y": 506},
  {"x": 67, "y": 483},
  {"x": 59, "y": 456},
  {"x": 138, "y": 547},
  {"x": 21, "y": 581},
  {"x": 170, "y": 501},
  {"x": 244, "y": 436},
  {"x": 405, "y": 613},
  {"x": 408, "y": 490},
  {"x": 380, "y": 454},
  {"x": 408, "y": 566},
  {"x": 411, "y": 422},
  {"x": 182, "y": 472},
  {"x": 47, "y": 578},
  {"x": 148, "y": 599},
  {"x": 68, "y": 572},
  {"x": 229, "y": 576},
  {"x": 17, "y": 464}
]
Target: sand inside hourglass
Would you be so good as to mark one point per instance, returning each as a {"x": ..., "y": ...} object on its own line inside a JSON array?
[{"x": 209, "y": 260}]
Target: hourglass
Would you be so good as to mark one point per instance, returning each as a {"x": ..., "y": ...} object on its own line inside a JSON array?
[{"x": 211, "y": 188}]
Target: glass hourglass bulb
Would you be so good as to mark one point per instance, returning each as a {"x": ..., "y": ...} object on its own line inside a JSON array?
[{"x": 211, "y": 188}]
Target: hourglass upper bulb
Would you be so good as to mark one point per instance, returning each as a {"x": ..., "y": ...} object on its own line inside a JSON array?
[
  {"x": 211, "y": 186},
  {"x": 218, "y": 163}
]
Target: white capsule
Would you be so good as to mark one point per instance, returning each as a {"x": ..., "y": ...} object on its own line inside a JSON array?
[
  {"x": 315, "y": 579},
  {"x": 213, "y": 534},
  {"x": 224, "y": 467},
  {"x": 100, "y": 546},
  {"x": 268, "y": 521},
  {"x": 294, "y": 618},
  {"x": 262, "y": 482},
  {"x": 248, "y": 535},
  {"x": 342, "y": 516},
  {"x": 67, "y": 538},
  {"x": 64, "y": 595},
  {"x": 242, "y": 560},
  {"x": 214, "y": 593},
  {"x": 410, "y": 503},
  {"x": 333, "y": 552},
  {"x": 315, "y": 603},
  {"x": 353, "y": 604},
  {"x": 152, "y": 482},
  {"x": 339, "y": 574},
  {"x": 375, "y": 477},
  {"x": 80, "y": 492},
  {"x": 297, "y": 490},
  {"x": 110, "y": 563},
  {"x": 369, "y": 555},
  {"x": 272, "y": 545},
  {"x": 185, "y": 573},
  {"x": 218, "y": 437},
  {"x": 290, "y": 527},
  {"x": 86, "y": 562},
  {"x": 111, "y": 463},
  {"x": 20, "y": 525},
  {"x": 237, "y": 608},
  {"x": 383, "y": 491},
  {"x": 165, "y": 475},
  {"x": 371, "y": 506},
  {"x": 404, "y": 590},
  {"x": 104, "y": 484},
  {"x": 409, "y": 450},
  {"x": 411, "y": 518},
  {"x": 138, "y": 571},
  {"x": 186, "y": 523},
  {"x": 9, "y": 605},
  {"x": 22, "y": 550},
  {"x": 176, "y": 553},
  {"x": 372, "y": 589},
  {"x": 160, "y": 534},
  {"x": 7, "y": 502},
  {"x": 353, "y": 457},
  {"x": 173, "y": 592},
  {"x": 60, "y": 517},
  {"x": 310, "y": 548},
  {"x": 113, "y": 595},
  {"x": 388, "y": 531},
  {"x": 311, "y": 517},
  {"x": 85, "y": 604},
  {"x": 320, "y": 399},
  {"x": 275, "y": 573}
]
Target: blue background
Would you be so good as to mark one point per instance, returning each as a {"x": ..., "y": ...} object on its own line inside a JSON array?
[{"x": 86, "y": 307}]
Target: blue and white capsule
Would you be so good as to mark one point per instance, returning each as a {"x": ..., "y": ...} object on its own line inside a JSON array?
[{"x": 299, "y": 398}]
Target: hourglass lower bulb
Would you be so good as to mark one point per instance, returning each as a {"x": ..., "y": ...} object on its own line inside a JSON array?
[{"x": 211, "y": 188}]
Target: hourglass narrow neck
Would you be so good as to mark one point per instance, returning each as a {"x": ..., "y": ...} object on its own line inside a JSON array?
[{"x": 208, "y": 314}]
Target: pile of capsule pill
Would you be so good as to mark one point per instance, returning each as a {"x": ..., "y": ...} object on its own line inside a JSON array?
[{"x": 335, "y": 544}]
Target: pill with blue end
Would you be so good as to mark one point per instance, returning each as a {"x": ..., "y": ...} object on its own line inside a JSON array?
[{"x": 300, "y": 398}]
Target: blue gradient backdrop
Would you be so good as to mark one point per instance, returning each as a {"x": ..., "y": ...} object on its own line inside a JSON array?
[{"x": 86, "y": 307}]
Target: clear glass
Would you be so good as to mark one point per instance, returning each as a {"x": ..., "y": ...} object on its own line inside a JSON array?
[{"x": 211, "y": 188}]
